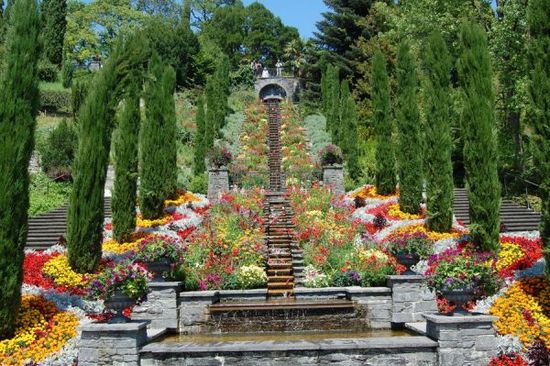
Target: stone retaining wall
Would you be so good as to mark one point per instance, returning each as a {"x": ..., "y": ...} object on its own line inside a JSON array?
[
  {"x": 161, "y": 306},
  {"x": 410, "y": 299}
]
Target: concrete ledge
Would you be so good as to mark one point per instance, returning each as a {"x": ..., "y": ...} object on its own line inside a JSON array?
[
  {"x": 391, "y": 280},
  {"x": 401, "y": 344},
  {"x": 460, "y": 319},
  {"x": 105, "y": 327}
]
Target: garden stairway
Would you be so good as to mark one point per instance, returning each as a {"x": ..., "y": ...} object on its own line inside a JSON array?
[
  {"x": 513, "y": 217},
  {"x": 47, "y": 229},
  {"x": 274, "y": 142}
]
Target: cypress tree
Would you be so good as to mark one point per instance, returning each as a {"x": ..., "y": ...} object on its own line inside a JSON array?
[
  {"x": 325, "y": 88},
  {"x": 54, "y": 24},
  {"x": 85, "y": 218},
  {"x": 169, "y": 130},
  {"x": 385, "y": 157},
  {"x": 409, "y": 154},
  {"x": 333, "y": 105},
  {"x": 18, "y": 108},
  {"x": 439, "y": 168},
  {"x": 217, "y": 91},
  {"x": 348, "y": 123},
  {"x": 126, "y": 166},
  {"x": 478, "y": 131},
  {"x": 539, "y": 63},
  {"x": 155, "y": 141},
  {"x": 211, "y": 104},
  {"x": 200, "y": 147}
]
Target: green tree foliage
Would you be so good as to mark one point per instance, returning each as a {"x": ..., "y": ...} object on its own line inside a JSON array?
[
  {"x": 509, "y": 47},
  {"x": 59, "y": 150},
  {"x": 539, "y": 88},
  {"x": 126, "y": 140},
  {"x": 409, "y": 152},
  {"x": 386, "y": 180},
  {"x": 339, "y": 29},
  {"x": 478, "y": 131},
  {"x": 200, "y": 143},
  {"x": 18, "y": 108},
  {"x": 85, "y": 218},
  {"x": 348, "y": 133},
  {"x": 158, "y": 132},
  {"x": 437, "y": 105},
  {"x": 331, "y": 100},
  {"x": 170, "y": 132},
  {"x": 217, "y": 91},
  {"x": 54, "y": 23}
]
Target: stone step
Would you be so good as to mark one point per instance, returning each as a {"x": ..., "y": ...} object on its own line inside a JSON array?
[
  {"x": 280, "y": 285},
  {"x": 279, "y": 272},
  {"x": 278, "y": 279},
  {"x": 285, "y": 293}
]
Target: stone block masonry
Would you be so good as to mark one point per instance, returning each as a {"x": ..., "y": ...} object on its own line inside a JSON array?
[
  {"x": 161, "y": 306},
  {"x": 218, "y": 182},
  {"x": 112, "y": 344},
  {"x": 410, "y": 299},
  {"x": 468, "y": 340},
  {"x": 333, "y": 176}
]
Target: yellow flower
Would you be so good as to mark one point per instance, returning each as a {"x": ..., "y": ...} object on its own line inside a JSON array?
[{"x": 60, "y": 270}]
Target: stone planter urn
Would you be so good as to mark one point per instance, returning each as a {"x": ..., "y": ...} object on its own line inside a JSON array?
[
  {"x": 118, "y": 302},
  {"x": 158, "y": 268},
  {"x": 218, "y": 182},
  {"x": 333, "y": 176},
  {"x": 408, "y": 260},
  {"x": 459, "y": 297}
]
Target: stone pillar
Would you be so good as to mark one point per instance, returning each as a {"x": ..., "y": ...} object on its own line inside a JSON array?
[
  {"x": 464, "y": 340},
  {"x": 410, "y": 299},
  {"x": 112, "y": 344},
  {"x": 218, "y": 182},
  {"x": 333, "y": 175},
  {"x": 161, "y": 306}
]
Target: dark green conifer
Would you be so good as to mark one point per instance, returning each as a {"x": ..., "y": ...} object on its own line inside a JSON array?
[
  {"x": 200, "y": 147},
  {"x": 539, "y": 63},
  {"x": 386, "y": 180},
  {"x": 18, "y": 108},
  {"x": 155, "y": 150},
  {"x": 409, "y": 152},
  {"x": 333, "y": 103},
  {"x": 54, "y": 24},
  {"x": 85, "y": 218},
  {"x": 438, "y": 104},
  {"x": 126, "y": 166},
  {"x": 348, "y": 126},
  {"x": 170, "y": 131},
  {"x": 478, "y": 131}
]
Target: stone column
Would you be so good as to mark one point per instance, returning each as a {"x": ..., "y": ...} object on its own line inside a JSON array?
[
  {"x": 218, "y": 182},
  {"x": 112, "y": 344},
  {"x": 333, "y": 175},
  {"x": 410, "y": 299},
  {"x": 464, "y": 340},
  {"x": 161, "y": 306}
]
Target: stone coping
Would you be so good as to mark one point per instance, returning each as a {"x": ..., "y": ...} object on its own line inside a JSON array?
[
  {"x": 404, "y": 279},
  {"x": 165, "y": 285},
  {"x": 154, "y": 334},
  {"x": 417, "y": 327},
  {"x": 334, "y": 166},
  {"x": 460, "y": 319},
  {"x": 399, "y": 344},
  {"x": 123, "y": 327},
  {"x": 299, "y": 291}
]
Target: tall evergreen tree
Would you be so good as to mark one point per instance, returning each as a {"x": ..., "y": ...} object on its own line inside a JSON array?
[
  {"x": 217, "y": 91},
  {"x": 348, "y": 130},
  {"x": 325, "y": 89},
  {"x": 187, "y": 48},
  {"x": 169, "y": 130},
  {"x": 18, "y": 108},
  {"x": 333, "y": 103},
  {"x": 54, "y": 24},
  {"x": 156, "y": 129},
  {"x": 386, "y": 180},
  {"x": 539, "y": 88},
  {"x": 200, "y": 138},
  {"x": 85, "y": 218},
  {"x": 478, "y": 131},
  {"x": 438, "y": 104},
  {"x": 126, "y": 165},
  {"x": 409, "y": 154}
]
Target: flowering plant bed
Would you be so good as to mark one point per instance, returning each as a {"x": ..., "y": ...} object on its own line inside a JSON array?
[{"x": 127, "y": 277}]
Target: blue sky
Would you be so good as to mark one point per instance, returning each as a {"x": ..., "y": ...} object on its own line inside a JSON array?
[{"x": 302, "y": 14}]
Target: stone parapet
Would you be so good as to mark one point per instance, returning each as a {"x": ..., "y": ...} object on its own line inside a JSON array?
[
  {"x": 218, "y": 182},
  {"x": 112, "y": 344},
  {"x": 333, "y": 176},
  {"x": 464, "y": 340},
  {"x": 410, "y": 299},
  {"x": 161, "y": 306}
]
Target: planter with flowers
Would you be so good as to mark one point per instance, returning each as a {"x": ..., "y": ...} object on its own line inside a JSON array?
[
  {"x": 159, "y": 253},
  {"x": 410, "y": 249},
  {"x": 331, "y": 159},
  {"x": 120, "y": 287},
  {"x": 463, "y": 275}
]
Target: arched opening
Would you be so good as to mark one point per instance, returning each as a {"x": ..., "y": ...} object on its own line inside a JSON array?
[{"x": 273, "y": 91}]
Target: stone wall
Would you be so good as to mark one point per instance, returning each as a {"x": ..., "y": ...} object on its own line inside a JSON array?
[
  {"x": 333, "y": 175},
  {"x": 218, "y": 182},
  {"x": 161, "y": 306},
  {"x": 410, "y": 299}
]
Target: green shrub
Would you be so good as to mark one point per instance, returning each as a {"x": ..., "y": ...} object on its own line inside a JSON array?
[
  {"x": 199, "y": 183},
  {"x": 79, "y": 90},
  {"x": 45, "y": 195},
  {"x": 59, "y": 150},
  {"x": 67, "y": 72},
  {"x": 243, "y": 77},
  {"x": 55, "y": 100},
  {"x": 47, "y": 71}
]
